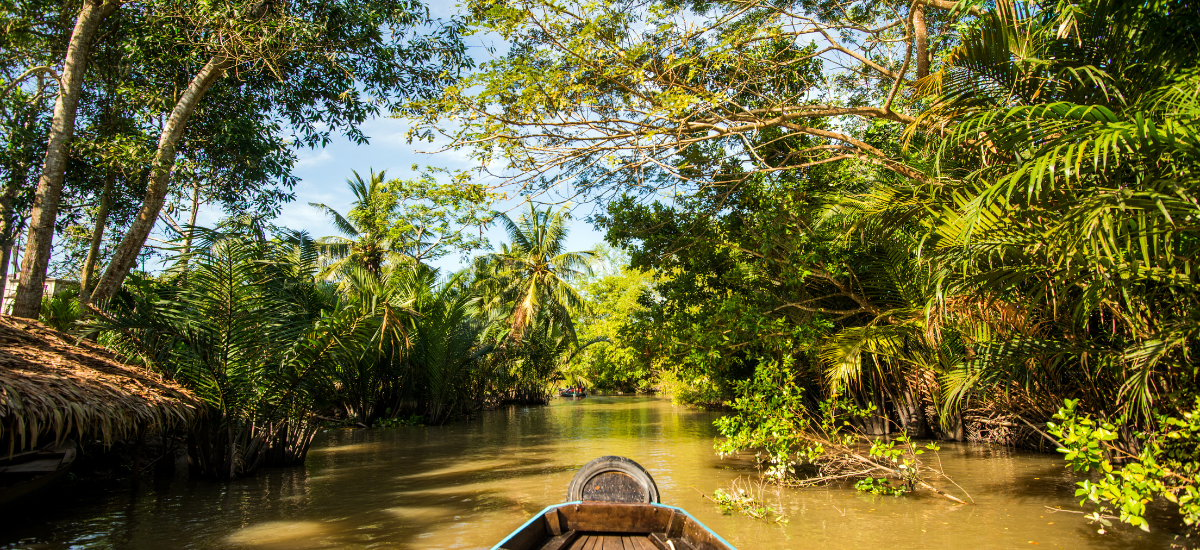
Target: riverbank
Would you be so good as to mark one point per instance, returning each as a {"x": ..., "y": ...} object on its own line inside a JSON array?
[{"x": 465, "y": 485}]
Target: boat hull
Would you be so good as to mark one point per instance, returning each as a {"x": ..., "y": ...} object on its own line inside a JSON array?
[
  {"x": 25, "y": 474},
  {"x": 588, "y": 525}
]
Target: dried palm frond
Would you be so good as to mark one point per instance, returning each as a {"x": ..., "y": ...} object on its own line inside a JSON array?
[{"x": 52, "y": 385}]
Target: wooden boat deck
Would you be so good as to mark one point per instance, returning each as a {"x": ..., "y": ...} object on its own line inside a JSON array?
[
  {"x": 612, "y": 526},
  {"x": 612, "y": 542}
]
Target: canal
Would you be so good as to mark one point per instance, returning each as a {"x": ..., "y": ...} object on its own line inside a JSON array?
[{"x": 468, "y": 484}]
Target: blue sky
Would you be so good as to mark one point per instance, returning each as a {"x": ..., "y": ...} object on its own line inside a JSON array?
[{"x": 323, "y": 172}]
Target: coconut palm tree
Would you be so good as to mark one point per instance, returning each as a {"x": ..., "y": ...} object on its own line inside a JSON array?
[
  {"x": 533, "y": 275},
  {"x": 365, "y": 238}
]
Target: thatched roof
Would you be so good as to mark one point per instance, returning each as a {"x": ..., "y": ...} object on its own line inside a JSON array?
[{"x": 52, "y": 384}]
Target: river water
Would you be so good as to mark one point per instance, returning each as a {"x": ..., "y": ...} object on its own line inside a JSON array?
[{"x": 468, "y": 484}]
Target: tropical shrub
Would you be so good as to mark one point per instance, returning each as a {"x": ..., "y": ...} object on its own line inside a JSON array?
[
  {"x": 61, "y": 311},
  {"x": 1167, "y": 466},
  {"x": 243, "y": 324}
]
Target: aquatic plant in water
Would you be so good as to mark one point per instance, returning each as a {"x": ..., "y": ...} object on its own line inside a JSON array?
[{"x": 746, "y": 497}]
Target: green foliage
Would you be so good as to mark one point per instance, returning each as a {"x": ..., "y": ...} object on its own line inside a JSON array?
[
  {"x": 1167, "y": 466},
  {"x": 1042, "y": 252},
  {"x": 245, "y": 327},
  {"x": 292, "y": 74},
  {"x": 532, "y": 277},
  {"x": 1074, "y": 218},
  {"x": 61, "y": 311},
  {"x": 773, "y": 417},
  {"x": 403, "y": 221},
  {"x": 879, "y": 486},
  {"x": 770, "y": 415},
  {"x": 448, "y": 347},
  {"x": 528, "y": 286},
  {"x": 247, "y": 322},
  {"x": 614, "y": 302},
  {"x": 746, "y": 498}
]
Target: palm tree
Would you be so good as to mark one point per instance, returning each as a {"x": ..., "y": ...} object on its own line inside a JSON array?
[
  {"x": 384, "y": 310},
  {"x": 533, "y": 275},
  {"x": 365, "y": 229},
  {"x": 1086, "y": 121},
  {"x": 447, "y": 342},
  {"x": 249, "y": 332}
]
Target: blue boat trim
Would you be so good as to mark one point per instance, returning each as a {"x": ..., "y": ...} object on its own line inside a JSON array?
[{"x": 538, "y": 517}]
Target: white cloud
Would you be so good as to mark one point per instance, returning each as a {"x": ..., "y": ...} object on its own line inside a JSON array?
[{"x": 308, "y": 161}]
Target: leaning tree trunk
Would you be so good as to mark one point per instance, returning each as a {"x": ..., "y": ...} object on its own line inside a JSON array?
[
  {"x": 28, "y": 299},
  {"x": 157, "y": 186},
  {"x": 89, "y": 265}
]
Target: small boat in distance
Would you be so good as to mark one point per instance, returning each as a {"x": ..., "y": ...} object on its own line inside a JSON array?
[
  {"x": 573, "y": 391},
  {"x": 23, "y": 474},
  {"x": 614, "y": 504}
]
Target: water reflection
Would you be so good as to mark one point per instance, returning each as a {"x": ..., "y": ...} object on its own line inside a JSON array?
[{"x": 467, "y": 485}]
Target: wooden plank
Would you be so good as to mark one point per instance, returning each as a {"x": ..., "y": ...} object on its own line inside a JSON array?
[
  {"x": 611, "y": 542},
  {"x": 529, "y": 537},
  {"x": 592, "y": 542},
  {"x": 553, "y": 526},
  {"x": 561, "y": 542},
  {"x": 663, "y": 543},
  {"x": 580, "y": 543},
  {"x": 642, "y": 543},
  {"x": 697, "y": 536},
  {"x": 615, "y": 517},
  {"x": 42, "y": 466},
  {"x": 675, "y": 525}
]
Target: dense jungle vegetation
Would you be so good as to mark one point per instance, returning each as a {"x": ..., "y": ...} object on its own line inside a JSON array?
[
  {"x": 959, "y": 220},
  {"x": 838, "y": 221}
]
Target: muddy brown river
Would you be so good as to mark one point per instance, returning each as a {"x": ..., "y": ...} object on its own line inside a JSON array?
[{"x": 468, "y": 484}]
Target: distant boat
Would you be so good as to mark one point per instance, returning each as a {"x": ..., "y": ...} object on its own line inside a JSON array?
[
  {"x": 614, "y": 505},
  {"x": 573, "y": 392},
  {"x": 23, "y": 474}
]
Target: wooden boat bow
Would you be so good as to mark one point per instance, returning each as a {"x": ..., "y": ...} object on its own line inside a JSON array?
[{"x": 621, "y": 514}]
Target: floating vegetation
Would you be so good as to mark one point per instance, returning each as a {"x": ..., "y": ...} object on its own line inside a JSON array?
[{"x": 745, "y": 497}]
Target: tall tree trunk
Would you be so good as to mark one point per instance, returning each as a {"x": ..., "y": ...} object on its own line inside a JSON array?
[
  {"x": 920, "y": 40},
  {"x": 191, "y": 227},
  {"x": 156, "y": 188},
  {"x": 28, "y": 298},
  {"x": 8, "y": 225},
  {"x": 5, "y": 254},
  {"x": 89, "y": 265}
]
